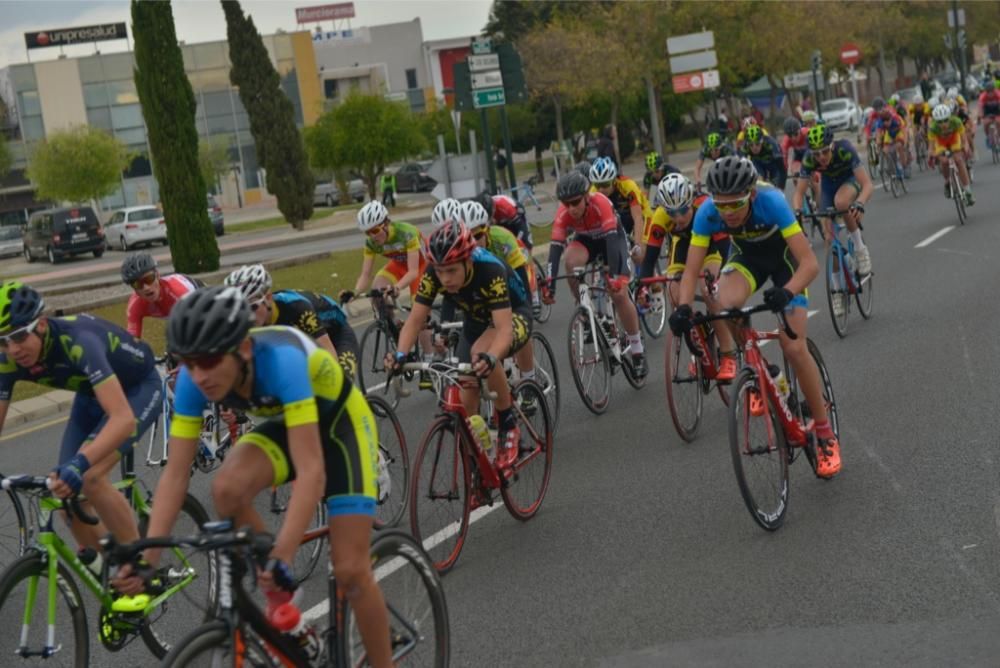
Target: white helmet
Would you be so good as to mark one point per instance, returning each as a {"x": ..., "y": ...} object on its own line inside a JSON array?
[
  {"x": 918, "y": 99},
  {"x": 445, "y": 210},
  {"x": 252, "y": 280},
  {"x": 372, "y": 215},
  {"x": 603, "y": 171},
  {"x": 474, "y": 215},
  {"x": 941, "y": 113},
  {"x": 675, "y": 191}
]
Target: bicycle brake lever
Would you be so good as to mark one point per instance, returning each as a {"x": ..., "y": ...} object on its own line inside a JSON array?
[{"x": 789, "y": 332}]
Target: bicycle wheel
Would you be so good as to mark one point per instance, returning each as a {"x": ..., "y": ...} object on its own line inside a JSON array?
[
  {"x": 864, "y": 295},
  {"x": 544, "y": 311},
  {"x": 418, "y": 611},
  {"x": 70, "y": 629},
  {"x": 440, "y": 492},
  {"x": 526, "y": 487},
  {"x": 309, "y": 554},
  {"x": 654, "y": 318},
  {"x": 376, "y": 343},
  {"x": 836, "y": 292},
  {"x": 13, "y": 528},
  {"x": 958, "y": 196},
  {"x": 211, "y": 645},
  {"x": 195, "y": 602},
  {"x": 590, "y": 363},
  {"x": 393, "y": 465},
  {"x": 760, "y": 454},
  {"x": 547, "y": 375},
  {"x": 828, "y": 396},
  {"x": 683, "y": 377},
  {"x": 890, "y": 167}
]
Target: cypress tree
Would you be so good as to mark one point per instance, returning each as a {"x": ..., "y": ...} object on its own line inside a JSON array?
[
  {"x": 272, "y": 118},
  {"x": 168, "y": 106}
]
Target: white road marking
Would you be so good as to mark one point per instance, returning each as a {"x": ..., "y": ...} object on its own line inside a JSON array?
[{"x": 934, "y": 237}]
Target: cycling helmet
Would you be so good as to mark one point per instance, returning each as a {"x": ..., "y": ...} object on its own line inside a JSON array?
[
  {"x": 653, "y": 161},
  {"x": 603, "y": 171},
  {"x": 136, "y": 266},
  {"x": 731, "y": 175},
  {"x": 792, "y": 126},
  {"x": 372, "y": 215},
  {"x": 748, "y": 121},
  {"x": 754, "y": 134},
  {"x": 450, "y": 243},
  {"x": 941, "y": 113},
  {"x": 445, "y": 210},
  {"x": 20, "y": 305},
  {"x": 675, "y": 191},
  {"x": 713, "y": 140},
  {"x": 208, "y": 321},
  {"x": 571, "y": 186},
  {"x": 252, "y": 280},
  {"x": 584, "y": 168},
  {"x": 918, "y": 99},
  {"x": 486, "y": 200},
  {"x": 809, "y": 116},
  {"x": 473, "y": 214},
  {"x": 878, "y": 103},
  {"x": 820, "y": 136},
  {"x": 893, "y": 100}
]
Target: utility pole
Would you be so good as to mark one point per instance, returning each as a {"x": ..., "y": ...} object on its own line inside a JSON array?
[{"x": 958, "y": 20}]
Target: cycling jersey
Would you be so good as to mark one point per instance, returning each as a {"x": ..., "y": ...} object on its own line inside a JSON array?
[
  {"x": 892, "y": 126},
  {"x": 491, "y": 285},
  {"x": 297, "y": 383},
  {"x": 946, "y": 135},
  {"x": 172, "y": 288},
  {"x": 769, "y": 161},
  {"x": 509, "y": 214},
  {"x": 624, "y": 194},
  {"x": 502, "y": 243},
  {"x": 598, "y": 220},
  {"x": 989, "y": 103},
  {"x": 316, "y": 315},
  {"x": 664, "y": 228},
  {"x": 796, "y": 145},
  {"x": 918, "y": 112},
  {"x": 400, "y": 240},
  {"x": 841, "y": 166}
]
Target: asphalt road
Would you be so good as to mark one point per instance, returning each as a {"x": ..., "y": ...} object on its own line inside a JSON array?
[{"x": 644, "y": 555}]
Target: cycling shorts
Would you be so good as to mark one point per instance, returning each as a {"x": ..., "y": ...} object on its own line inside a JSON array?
[
  {"x": 942, "y": 144},
  {"x": 611, "y": 249},
  {"x": 718, "y": 250},
  {"x": 348, "y": 352},
  {"x": 829, "y": 188},
  {"x": 471, "y": 331},
  {"x": 87, "y": 417},
  {"x": 756, "y": 267},
  {"x": 349, "y": 438},
  {"x": 394, "y": 271}
]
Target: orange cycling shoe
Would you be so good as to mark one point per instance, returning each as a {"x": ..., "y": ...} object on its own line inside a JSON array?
[
  {"x": 827, "y": 457},
  {"x": 756, "y": 402},
  {"x": 727, "y": 369}
]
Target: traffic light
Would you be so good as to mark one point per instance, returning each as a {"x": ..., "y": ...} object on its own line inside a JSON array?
[{"x": 817, "y": 60}]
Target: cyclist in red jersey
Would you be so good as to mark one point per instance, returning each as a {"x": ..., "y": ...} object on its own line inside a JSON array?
[
  {"x": 153, "y": 295},
  {"x": 989, "y": 107},
  {"x": 508, "y": 213}
]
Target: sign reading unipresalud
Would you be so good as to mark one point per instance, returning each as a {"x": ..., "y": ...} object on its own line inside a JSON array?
[
  {"x": 66, "y": 36},
  {"x": 342, "y": 10}
]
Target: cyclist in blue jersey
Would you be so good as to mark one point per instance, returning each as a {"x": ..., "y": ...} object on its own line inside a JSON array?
[
  {"x": 316, "y": 428},
  {"x": 765, "y": 153},
  {"x": 117, "y": 398},
  {"x": 767, "y": 243}
]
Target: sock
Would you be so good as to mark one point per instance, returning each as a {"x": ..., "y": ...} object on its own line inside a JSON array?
[
  {"x": 824, "y": 430},
  {"x": 527, "y": 375},
  {"x": 635, "y": 344},
  {"x": 506, "y": 418},
  {"x": 856, "y": 238}
]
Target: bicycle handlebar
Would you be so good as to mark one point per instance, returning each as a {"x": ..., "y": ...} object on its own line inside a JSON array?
[
  {"x": 825, "y": 213},
  {"x": 743, "y": 314},
  {"x": 260, "y": 544},
  {"x": 44, "y": 483}
]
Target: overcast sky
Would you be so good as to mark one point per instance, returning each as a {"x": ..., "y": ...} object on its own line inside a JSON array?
[{"x": 203, "y": 20}]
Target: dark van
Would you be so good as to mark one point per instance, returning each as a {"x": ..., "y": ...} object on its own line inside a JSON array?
[{"x": 58, "y": 233}]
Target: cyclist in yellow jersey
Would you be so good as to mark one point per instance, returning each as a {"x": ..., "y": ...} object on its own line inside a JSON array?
[{"x": 626, "y": 196}]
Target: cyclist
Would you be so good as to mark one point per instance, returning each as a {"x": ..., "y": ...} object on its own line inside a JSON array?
[
  {"x": 767, "y": 243},
  {"x": 153, "y": 295},
  {"x": 748, "y": 122},
  {"x": 318, "y": 431},
  {"x": 945, "y": 133},
  {"x": 809, "y": 118},
  {"x": 626, "y": 197},
  {"x": 597, "y": 235},
  {"x": 714, "y": 148},
  {"x": 117, "y": 398},
  {"x": 656, "y": 169},
  {"x": 497, "y": 319},
  {"x": 672, "y": 225},
  {"x": 890, "y": 134},
  {"x": 960, "y": 109},
  {"x": 315, "y": 314},
  {"x": 447, "y": 209},
  {"x": 765, "y": 154},
  {"x": 509, "y": 214},
  {"x": 989, "y": 107},
  {"x": 920, "y": 114}
]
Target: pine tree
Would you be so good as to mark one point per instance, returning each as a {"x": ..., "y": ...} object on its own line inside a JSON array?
[
  {"x": 272, "y": 119},
  {"x": 168, "y": 106}
]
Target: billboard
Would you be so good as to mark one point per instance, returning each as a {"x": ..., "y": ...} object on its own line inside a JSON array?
[
  {"x": 343, "y": 10},
  {"x": 81, "y": 35}
]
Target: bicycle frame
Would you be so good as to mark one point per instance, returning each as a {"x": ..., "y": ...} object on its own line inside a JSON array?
[
  {"x": 796, "y": 434},
  {"x": 585, "y": 290}
]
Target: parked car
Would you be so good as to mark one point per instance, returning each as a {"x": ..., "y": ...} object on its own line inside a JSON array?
[
  {"x": 357, "y": 189},
  {"x": 215, "y": 215},
  {"x": 413, "y": 177},
  {"x": 328, "y": 194},
  {"x": 840, "y": 113},
  {"x": 134, "y": 226},
  {"x": 59, "y": 233},
  {"x": 11, "y": 242}
]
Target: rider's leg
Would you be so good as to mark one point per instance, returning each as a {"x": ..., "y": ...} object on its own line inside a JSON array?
[
  {"x": 576, "y": 255},
  {"x": 110, "y": 504},
  {"x": 802, "y": 362},
  {"x": 713, "y": 264},
  {"x": 246, "y": 471}
]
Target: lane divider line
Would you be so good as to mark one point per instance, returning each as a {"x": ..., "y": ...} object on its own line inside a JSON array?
[{"x": 934, "y": 237}]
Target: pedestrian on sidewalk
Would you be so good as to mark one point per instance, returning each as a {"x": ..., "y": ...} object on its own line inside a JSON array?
[
  {"x": 388, "y": 187},
  {"x": 501, "y": 162}
]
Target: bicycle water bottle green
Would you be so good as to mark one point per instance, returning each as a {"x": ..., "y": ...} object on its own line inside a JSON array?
[{"x": 477, "y": 425}]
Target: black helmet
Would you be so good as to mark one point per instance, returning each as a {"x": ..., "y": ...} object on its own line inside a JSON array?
[
  {"x": 19, "y": 305},
  {"x": 486, "y": 199},
  {"x": 583, "y": 167},
  {"x": 571, "y": 185},
  {"x": 730, "y": 175},
  {"x": 137, "y": 265},
  {"x": 878, "y": 104},
  {"x": 208, "y": 321},
  {"x": 792, "y": 126}
]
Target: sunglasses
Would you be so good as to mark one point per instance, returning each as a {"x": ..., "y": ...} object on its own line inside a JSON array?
[
  {"x": 573, "y": 202},
  {"x": 375, "y": 230},
  {"x": 480, "y": 232},
  {"x": 677, "y": 212},
  {"x": 734, "y": 205},
  {"x": 142, "y": 281},
  {"x": 203, "y": 362},
  {"x": 18, "y": 336}
]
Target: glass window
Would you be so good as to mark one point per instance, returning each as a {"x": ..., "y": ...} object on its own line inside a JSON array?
[
  {"x": 114, "y": 201},
  {"x": 144, "y": 214},
  {"x": 99, "y": 118},
  {"x": 218, "y": 125},
  {"x": 188, "y": 57},
  {"x": 29, "y": 104},
  {"x": 209, "y": 55},
  {"x": 127, "y": 116},
  {"x": 23, "y": 77},
  {"x": 117, "y": 66},
  {"x": 242, "y": 121},
  {"x": 411, "y": 78},
  {"x": 95, "y": 95},
  {"x": 238, "y": 103},
  {"x": 285, "y": 66},
  {"x": 132, "y": 136},
  {"x": 250, "y": 166},
  {"x": 218, "y": 104},
  {"x": 213, "y": 79},
  {"x": 123, "y": 92},
  {"x": 32, "y": 127},
  {"x": 330, "y": 89}
]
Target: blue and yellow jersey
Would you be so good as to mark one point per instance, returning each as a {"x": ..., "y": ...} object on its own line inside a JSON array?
[
  {"x": 770, "y": 218},
  {"x": 310, "y": 312}
]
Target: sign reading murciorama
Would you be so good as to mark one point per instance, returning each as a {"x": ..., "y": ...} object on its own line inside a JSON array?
[{"x": 66, "y": 36}]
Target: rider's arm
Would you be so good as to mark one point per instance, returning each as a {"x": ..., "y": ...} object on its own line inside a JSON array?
[
  {"x": 867, "y": 189},
  {"x": 503, "y": 323},
  {"x": 119, "y": 425},
  {"x": 648, "y": 266},
  {"x": 365, "y": 278},
  {"x": 305, "y": 449},
  {"x": 4, "y": 405},
  {"x": 692, "y": 268},
  {"x": 133, "y": 316},
  {"x": 697, "y": 170},
  {"x": 326, "y": 343},
  {"x": 800, "y": 191},
  {"x": 638, "y": 222},
  {"x": 412, "y": 269}
]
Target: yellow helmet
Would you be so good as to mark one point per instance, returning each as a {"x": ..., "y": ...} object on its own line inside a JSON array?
[{"x": 20, "y": 305}]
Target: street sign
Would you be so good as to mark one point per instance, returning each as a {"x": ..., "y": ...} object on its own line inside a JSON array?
[
  {"x": 482, "y": 80},
  {"x": 798, "y": 79},
  {"x": 696, "y": 41},
  {"x": 482, "y": 46},
  {"x": 951, "y": 18},
  {"x": 688, "y": 83},
  {"x": 850, "y": 54},
  {"x": 489, "y": 97},
  {"x": 691, "y": 62},
  {"x": 490, "y": 61}
]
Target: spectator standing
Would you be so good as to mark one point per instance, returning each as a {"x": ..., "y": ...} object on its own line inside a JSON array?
[
  {"x": 501, "y": 162},
  {"x": 388, "y": 188}
]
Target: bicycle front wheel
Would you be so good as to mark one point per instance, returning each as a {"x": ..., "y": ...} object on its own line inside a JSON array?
[
  {"x": 13, "y": 528},
  {"x": 524, "y": 491},
  {"x": 685, "y": 397},
  {"x": 590, "y": 363},
  {"x": 836, "y": 290},
  {"x": 654, "y": 318},
  {"x": 863, "y": 294},
  {"x": 958, "y": 196},
  {"x": 375, "y": 345},
  {"x": 309, "y": 554},
  {"x": 393, "y": 465},
  {"x": 31, "y": 572},
  {"x": 418, "y": 612},
  {"x": 211, "y": 646},
  {"x": 760, "y": 454},
  {"x": 547, "y": 375}
]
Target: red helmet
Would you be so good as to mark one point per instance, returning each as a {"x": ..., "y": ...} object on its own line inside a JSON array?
[{"x": 450, "y": 243}]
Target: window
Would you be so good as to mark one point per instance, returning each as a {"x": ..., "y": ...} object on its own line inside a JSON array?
[
  {"x": 123, "y": 92},
  {"x": 117, "y": 66},
  {"x": 213, "y": 79},
  {"x": 29, "y": 104},
  {"x": 117, "y": 218},
  {"x": 99, "y": 118},
  {"x": 32, "y": 127},
  {"x": 140, "y": 162},
  {"x": 23, "y": 77},
  {"x": 95, "y": 95},
  {"x": 144, "y": 214},
  {"x": 218, "y": 104},
  {"x": 91, "y": 69},
  {"x": 132, "y": 136},
  {"x": 411, "y": 78},
  {"x": 127, "y": 116},
  {"x": 330, "y": 89}
]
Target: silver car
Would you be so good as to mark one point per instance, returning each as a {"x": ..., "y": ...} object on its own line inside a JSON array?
[
  {"x": 11, "y": 242},
  {"x": 840, "y": 113}
]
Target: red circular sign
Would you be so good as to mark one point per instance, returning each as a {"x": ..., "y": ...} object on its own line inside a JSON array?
[
  {"x": 42, "y": 38},
  {"x": 850, "y": 54}
]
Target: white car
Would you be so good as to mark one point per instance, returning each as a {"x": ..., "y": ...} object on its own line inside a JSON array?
[
  {"x": 11, "y": 242},
  {"x": 128, "y": 228},
  {"x": 840, "y": 113}
]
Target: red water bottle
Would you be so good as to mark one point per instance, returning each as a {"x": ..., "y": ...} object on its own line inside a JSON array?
[{"x": 288, "y": 619}]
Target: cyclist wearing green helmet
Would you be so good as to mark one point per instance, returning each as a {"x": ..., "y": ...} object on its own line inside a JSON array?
[
  {"x": 715, "y": 147},
  {"x": 656, "y": 169},
  {"x": 765, "y": 153}
]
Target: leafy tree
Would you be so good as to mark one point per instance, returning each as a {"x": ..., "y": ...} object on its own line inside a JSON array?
[
  {"x": 272, "y": 118},
  {"x": 168, "y": 107},
  {"x": 213, "y": 158},
  {"x": 510, "y": 20},
  {"x": 78, "y": 165},
  {"x": 6, "y": 160},
  {"x": 365, "y": 133}
]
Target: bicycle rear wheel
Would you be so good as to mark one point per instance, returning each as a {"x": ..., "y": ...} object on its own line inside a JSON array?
[
  {"x": 309, "y": 554},
  {"x": 543, "y": 311},
  {"x": 216, "y": 646},
  {"x": 654, "y": 318},
  {"x": 864, "y": 295},
  {"x": 13, "y": 528},
  {"x": 683, "y": 376},
  {"x": 759, "y": 452},
  {"x": 547, "y": 375},
  {"x": 418, "y": 611},
  {"x": 375, "y": 345},
  {"x": 590, "y": 363},
  {"x": 836, "y": 289},
  {"x": 525, "y": 489},
  {"x": 394, "y": 465},
  {"x": 440, "y": 493}
]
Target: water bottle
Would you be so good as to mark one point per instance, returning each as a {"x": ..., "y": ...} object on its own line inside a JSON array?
[
  {"x": 288, "y": 619},
  {"x": 477, "y": 425},
  {"x": 779, "y": 381}
]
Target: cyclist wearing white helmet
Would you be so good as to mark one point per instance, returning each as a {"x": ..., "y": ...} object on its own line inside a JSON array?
[
  {"x": 626, "y": 196},
  {"x": 445, "y": 210},
  {"x": 946, "y": 133},
  {"x": 399, "y": 242}
]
